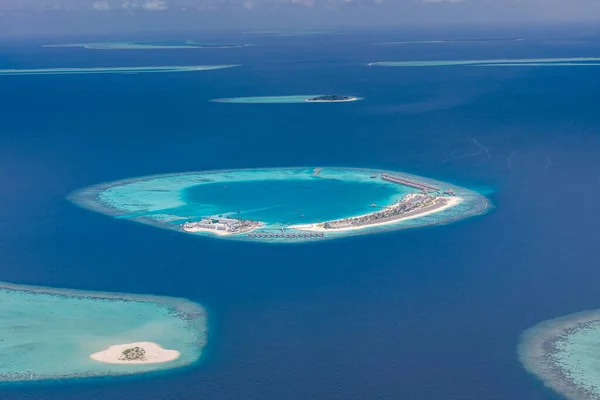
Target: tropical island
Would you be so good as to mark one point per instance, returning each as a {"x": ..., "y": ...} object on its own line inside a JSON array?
[
  {"x": 283, "y": 205},
  {"x": 135, "y": 353},
  {"x": 331, "y": 98},
  {"x": 288, "y": 99},
  {"x": 50, "y": 333}
]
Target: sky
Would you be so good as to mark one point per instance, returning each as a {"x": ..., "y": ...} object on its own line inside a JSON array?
[{"x": 59, "y": 17}]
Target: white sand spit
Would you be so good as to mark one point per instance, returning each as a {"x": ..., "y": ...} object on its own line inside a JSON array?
[
  {"x": 453, "y": 201},
  {"x": 153, "y": 354}
]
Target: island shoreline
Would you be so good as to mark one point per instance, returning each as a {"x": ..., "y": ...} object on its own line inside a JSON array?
[{"x": 311, "y": 228}]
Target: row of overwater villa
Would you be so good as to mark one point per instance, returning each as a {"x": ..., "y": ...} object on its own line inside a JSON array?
[{"x": 307, "y": 235}]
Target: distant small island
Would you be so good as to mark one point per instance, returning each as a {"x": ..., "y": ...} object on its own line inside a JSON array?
[
  {"x": 294, "y": 98},
  {"x": 331, "y": 98}
]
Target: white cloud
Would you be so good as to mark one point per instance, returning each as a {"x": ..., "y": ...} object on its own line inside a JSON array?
[
  {"x": 148, "y": 5},
  {"x": 444, "y": 1},
  {"x": 101, "y": 5},
  {"x": 248, "y": 5},
  {"x": 155, "y": 5},
  {"x": 305, "y": 3}
]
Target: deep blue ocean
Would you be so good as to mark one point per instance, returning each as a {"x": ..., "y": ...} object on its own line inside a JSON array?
[{"x": 431, "y": 313}]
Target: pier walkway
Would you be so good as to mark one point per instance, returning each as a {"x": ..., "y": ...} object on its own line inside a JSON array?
[{"x": 412, "y": 184}]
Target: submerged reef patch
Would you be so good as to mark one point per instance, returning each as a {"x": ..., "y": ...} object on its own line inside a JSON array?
[
  {"x": 564, "y": 354},
  {"x": 287, "y": 33},
  {"x": 523, "y": 62},
  {"x": 150, "y": 45},
  {"x": 49, "y": 333},
  {"x": 283, "y": 205},
  {"x": 452, "y": 41},
  {"x": 112, "y": 70}
]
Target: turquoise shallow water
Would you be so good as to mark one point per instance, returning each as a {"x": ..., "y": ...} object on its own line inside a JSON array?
[
  {"x": 150, "y": 45},
  {"x": 291, "y": 201},
  {"x": 170, "y": 200},
  {"x": 112, "y": 70},
  {"x": 524, "y": 62},
  {"x": 50, "y": 333}
]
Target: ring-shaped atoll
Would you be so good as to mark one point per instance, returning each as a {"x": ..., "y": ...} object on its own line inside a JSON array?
[
  {"x": 521, "y": 62},
  {"x": 112, "y": 70},
  {"x": 296, "y": 98},
  {"x": 283, "y": 205},
  {"x": 563, "y": 353},
  {"x": 48, "y": 333},
  {"x": 149, "y": 45}
]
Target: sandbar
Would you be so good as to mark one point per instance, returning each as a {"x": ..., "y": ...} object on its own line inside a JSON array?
[{"x": 153, "y": 354}]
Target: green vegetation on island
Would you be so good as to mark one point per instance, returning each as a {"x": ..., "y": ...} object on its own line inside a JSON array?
[
  {"x": 133, "y": 354},
  {"x": 331, "y": 97}
]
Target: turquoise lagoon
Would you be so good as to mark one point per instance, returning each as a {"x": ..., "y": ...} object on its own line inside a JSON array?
[
  {"x": 564, "y": 354},
  {"x": 150, "y": 45},
  {"x": 279, "y": 198},
  {"x": 112, "y": 70},
  {"x": 522, "y": 62},
  {"x": 48, "y": 333},
  {"x": 296, "y": 98}
]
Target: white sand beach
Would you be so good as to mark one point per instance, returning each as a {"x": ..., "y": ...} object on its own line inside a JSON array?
[
  {"x": 153, "y": 354},
  {"x": 453, "y": 201}
]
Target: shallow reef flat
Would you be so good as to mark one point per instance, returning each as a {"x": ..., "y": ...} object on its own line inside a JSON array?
[
  {"x": 563, "y": 353},
  {"x": 112, "y": 70},
  {"x": 523, "y": 62},
  {"x": 287, "y": 33},
  {"x": 155, "y": 45},
  {"x": 49, "y": 333},
  {"x": 286, "y": 205},
  {"x": 296, "y": 98},
  {"x": 452, "y": 41}
]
